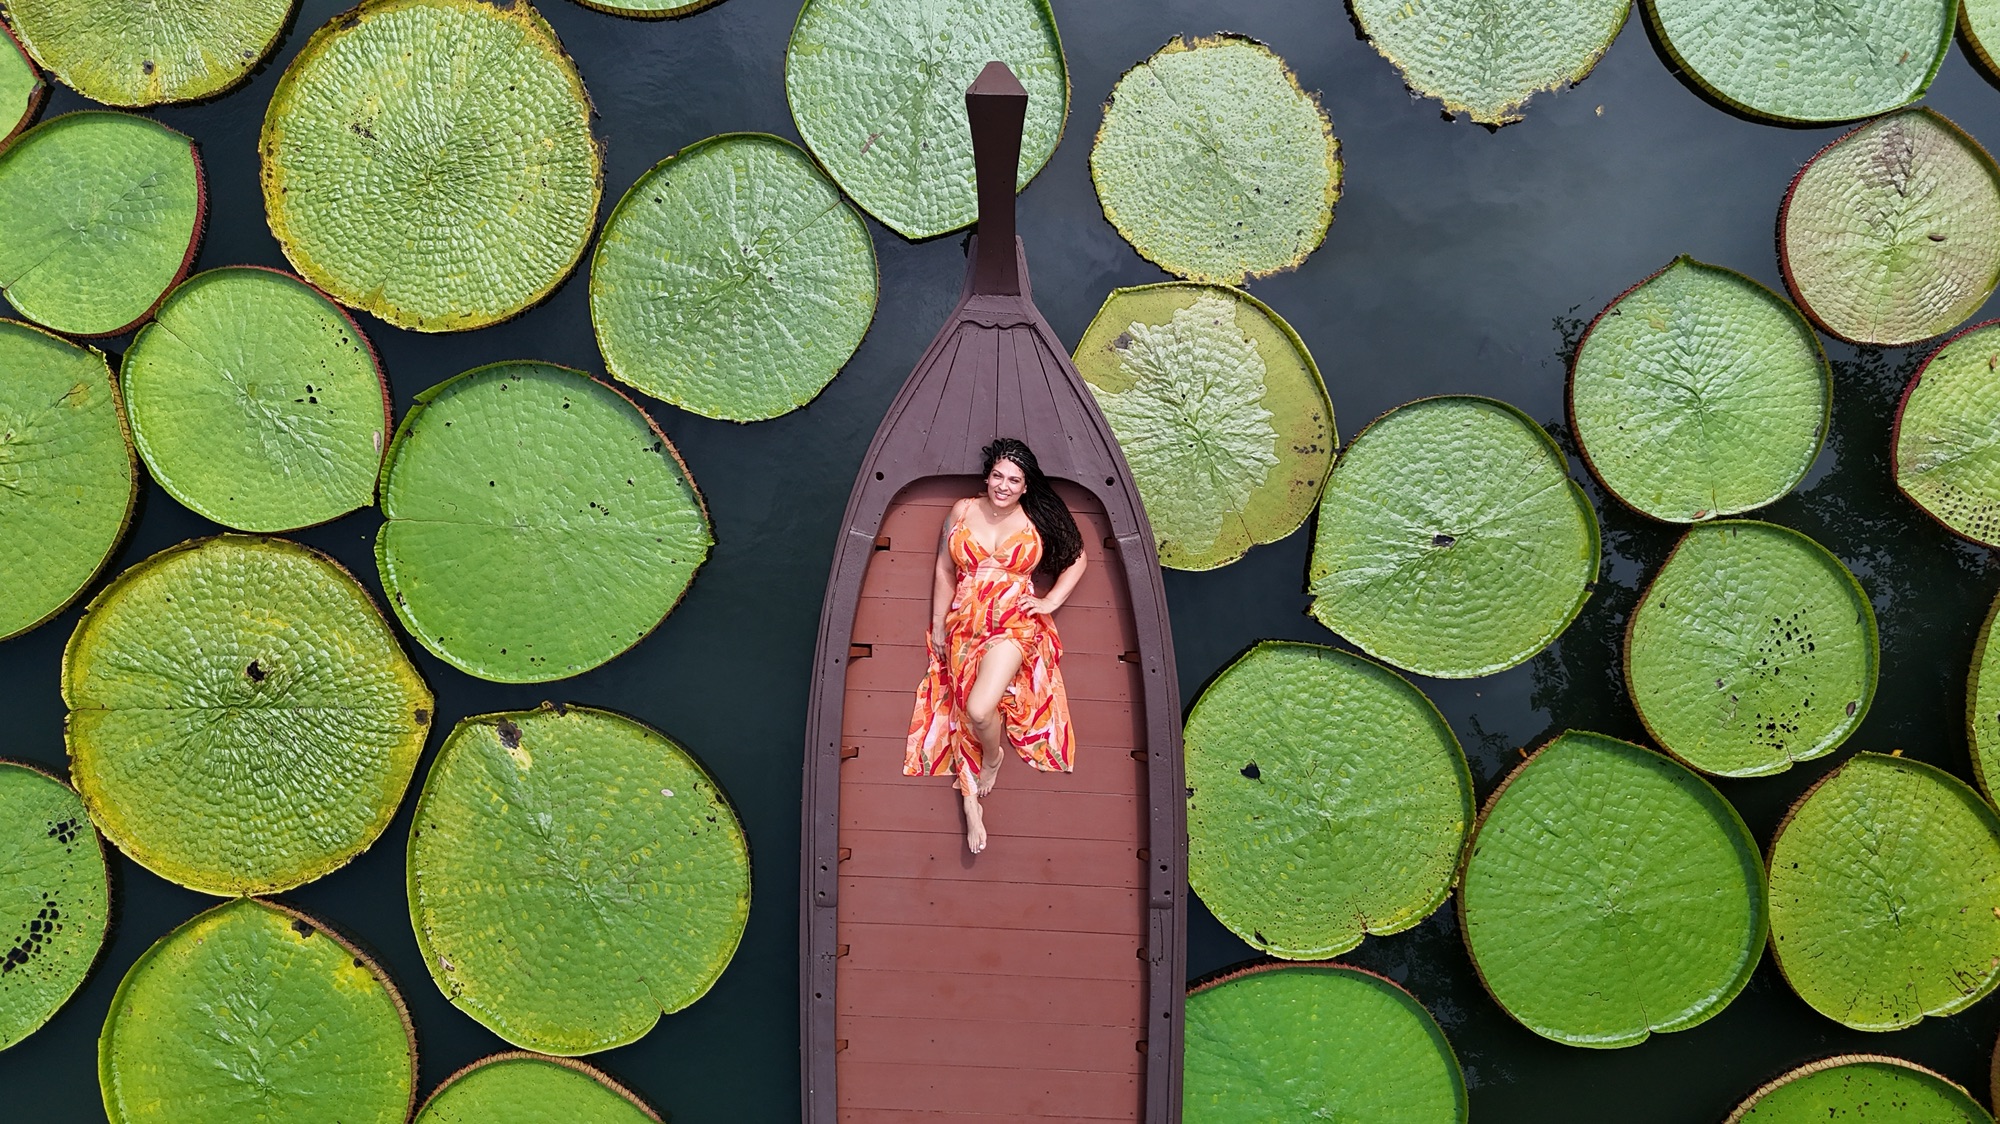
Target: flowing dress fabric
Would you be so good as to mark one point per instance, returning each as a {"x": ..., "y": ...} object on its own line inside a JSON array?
[{"x": 985, "y": 607}]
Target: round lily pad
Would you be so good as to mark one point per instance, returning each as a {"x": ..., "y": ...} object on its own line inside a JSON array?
[
  {"x": 1891, "y": 234},
  {"x": 1860, "y": 1087},
  {"x": 1220, "y": 411},
  {"x": 1752, "y": 649},
  {"x": 1214, "y": 164},
  {"x": 732, "y": 280},
  {"x": 524, "y": 1088},
  {"x": 257, "y": 401},
  {"x": 538, "y": 522},
  {"x": 648, "y": 9},
  {"x": 1979, "y": 22},
  {"x": 55, "y": 898},
  {"x": 99, "y": 216},
  {"x": 431, "y": 161},
  {"x": 1947, "y": 430},
  {"x": 573, "y": 875},
  {"x": 1982, "y": 707},
  {"x": 877, "y": 90},
  {"x": 253, "y": 1011},
  {"x": 1451, "y": 540},
  {"x": 1885, "y": 894},
  {"x": 21, "y": 87},
  {"x": 241, "y": 719},
  {"x": 68, "y": 477},
  {"x": 143, "y": 52},
  {"x": 1315, "y": 1042},
  {"x": 1486, "y": 58},
  {"x": 1611, "y": 893},
  {"x": 1699, "y": 393}
]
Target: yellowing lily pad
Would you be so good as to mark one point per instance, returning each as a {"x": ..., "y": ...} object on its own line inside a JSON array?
[
  {"x": 142, "y": 52},
  {"x": 1486, "y": 58}
]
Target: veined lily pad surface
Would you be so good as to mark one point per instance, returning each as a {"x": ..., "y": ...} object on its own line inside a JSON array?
[
  {"x": 431, "y": 161},
  {"x": 1316, "y": 1042},
  {"x": 1892, "y": 233},
  {"x": 1327, "y": 799},
  {"x": 55, "y": 898},
  {"x": 1947, "y": 443},
  {"x": 1220, "y": 411},
  {"x": 1752, "y": 649},
  {"x": 1451, "y": 540},
  {"x": 877, "y": 90},
  {"x": 252, "y": 1011},
  {"x": 141, "y": 52},
  {"x": 1699, "y": 393},
  {"x": 648, "y": 9},
  {"x": 732, "y": 280},
  {"x": 1979, "y": 20},
  {"x": 1486, "y": 58},
  {"x": 538, "y": 522},
  {"x": 21, "y": 86},
  {"x": 1611, "y": 893},
  {"x": 68, "y": 477},
  {"x": 1982, "y": 707},
  {"x": 529, "y": 1089},
  {"x": 1213, "y": 162},
  {"x": 1885, "y": 894},
  {"x": 573, "y": 875},
  {"x": 99, "y": 213},
  {"x": 257, "y": 402},
  {"x": 1860, "y": 1087},
  {"x": 241, "y": 719}
]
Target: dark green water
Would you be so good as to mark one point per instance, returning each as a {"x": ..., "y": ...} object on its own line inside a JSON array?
[{"x": 1459, "y": 261}]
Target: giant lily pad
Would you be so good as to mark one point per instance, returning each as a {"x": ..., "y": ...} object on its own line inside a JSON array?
[
  {"x": 55, "y": 898},
  {"x": 241, "y": 719},
  {"x": 142, "y": 52},
  {"x": 21, "y": 87},
  {"x": 1752, "y": 649},
  {"x": 99, "y": 215},
  {"x": 1611, "y": 893},
  {"x": 1220, "y": 411},
  {"x": 1982, "y": 709},
  {"x": 257, "y": 402},
  {"x": 252, "y": 1011},
  {"x": 1891, "y": 234},
  {"x": 648, "y": 9},
  {"x": 1885, "y": 894},
  {"x": 1979, "y": 21},
  {"x": 1699, "y": 393},
  {"x": 1315, "y": 1042},
  {"x": 538, "y": 522},
  {"x": 431, "y": 161},
  {"x": 732, "y": 280},
  {"x": 1213, "y": 162},
  {"x": 877, "y": 89},
  {"x": 1947, "y": 440},
  {"x": 573, "y": 875},
  {"x": 1451, "y": 540},
  {"x": 530, "y": 1089},
  {"x": 1486, "y": 58},
  {"x": 1860, "y": 1087}
]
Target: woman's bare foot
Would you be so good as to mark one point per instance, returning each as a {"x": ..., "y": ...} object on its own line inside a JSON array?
[
  {"x": 989, "y": 770},
  {"x": 975, "y": 826}
]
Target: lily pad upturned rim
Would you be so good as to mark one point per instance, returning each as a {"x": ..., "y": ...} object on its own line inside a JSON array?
[
  {"x": 1987, "y": 784},
  {"x": 1896, "y": 438},
  {"x": 1749, "y": 1103},
  {"x": 111, "y": 882},
  {"x": 36, "y": 100},
  {"x": 574, "y": 1064},
  {"x": 1977, "y": 49}
]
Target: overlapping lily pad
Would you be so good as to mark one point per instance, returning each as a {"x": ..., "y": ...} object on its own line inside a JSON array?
[
  {"x": 1451, "y": 540},
  {"x": 877, "y": 90},
  {"x": 1699, "y": 393},
  {"x": 1891, "y": 234},
  {"x": 1610, "y": 893},
  {"x": 241, "y": 719},
  {"x": 1753, "y": 648},
  {"x": 257, "y": 402},
  {"x": 1947, "y": 442},
  {"x": 99, "y": 215},
  {"x": 142, "y": 52},
  {"x": 431, "y": 161},
  {"x": 21, "y": 87},
  {"x": 732, "y": 280},
  {"x": 1982, "y": 707},
  {"x": 538, "y": 522},
  {"x": 253, "y": 1011},
  {"x": 1486, "y": 58},
  {"x": 1860, "y": 1087},
  {"x": 1885, "y": 894},
  {"x": 573, "y": 874},
  {"x": 55, "y": 898},
  {"x": 530, "y": 1089}
]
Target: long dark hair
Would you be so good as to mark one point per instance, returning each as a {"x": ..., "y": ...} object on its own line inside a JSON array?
[{"x": 1061, "y": 541}]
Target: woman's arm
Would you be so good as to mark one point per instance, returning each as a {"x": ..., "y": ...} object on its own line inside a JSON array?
[
  {"x": 944, "y": 579},
  {"x": 1059, "y": 592}
]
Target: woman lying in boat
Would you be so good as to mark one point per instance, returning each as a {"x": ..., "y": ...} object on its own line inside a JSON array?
[{"x": 993, "y": 678}]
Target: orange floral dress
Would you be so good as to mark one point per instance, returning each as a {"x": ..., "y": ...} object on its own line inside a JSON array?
[{"x": 985, "y": 607}]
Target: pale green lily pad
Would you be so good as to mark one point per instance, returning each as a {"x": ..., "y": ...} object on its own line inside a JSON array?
[
  {"x": 1860, "y": 1087},
  {"x": 1752, "y": 649},
  {"x": 68, "y": 476},
  {"x": 1611, "y": 894},
  {"x": 523, "y": 1088},
  {"x": 21, "y": 86},
  {"x": 257, "y": 402},
  {"x": 1982, "y": 709},
  {"x": 732, "y": 280},
  {"x": 143, "y": 52},
  {"x": 431, "y": 162},
  {"x": 1947, "y": 437},
  {"x": 1892, "y": 233},
  {"x": 252, "y": 1011},
  {"x": 648, "y": 9},
  {"x": 1316, "y": 1042},
  {"x": 1451, "y": 540},
  {"x": 241, "y": 719},
  {"x": 538, "y": 523},
  {"x": 573, "y": 874},
  {"x": 1214, "y": 164},
  {"x": 55, "y": 898},
  {"x": 1220, "y": 411},
  {"x": 1699, "y": 393},
  {"x": 99, "y": 215},
  {"x": 1885, "y": 894},
  {"x": 877, "y": 90},
  {"x": 1979, "y": 22},
  {"x": 1486, "y": 58}
]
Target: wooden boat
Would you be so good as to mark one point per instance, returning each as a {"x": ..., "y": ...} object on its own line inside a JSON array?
[{"x": 1043, "y": 978}]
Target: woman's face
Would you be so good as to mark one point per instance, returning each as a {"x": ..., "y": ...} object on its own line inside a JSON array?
[{"x": 1005, "y": 484}]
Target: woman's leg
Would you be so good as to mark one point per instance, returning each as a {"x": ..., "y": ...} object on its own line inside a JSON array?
[
  {"x": 975, "y": 823},
  {"x": 982, "y": 707}
]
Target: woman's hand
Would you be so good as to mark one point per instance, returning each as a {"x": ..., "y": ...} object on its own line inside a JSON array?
[
  {"x": 1038, "y": 605},
  {"x": 937, "y": 638}
]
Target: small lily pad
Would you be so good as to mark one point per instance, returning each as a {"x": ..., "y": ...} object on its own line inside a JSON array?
[
  {"x": 530, "y": 1089},
  {"x": 1860, "y": 1087},
  {"x": 1947, "y": 440},
  {"x": 55, "y": 898},
  {"x": 21, "y": 87},
  {"x": 1486, "y": 58},
  {"x": 143, "y": 52}
]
